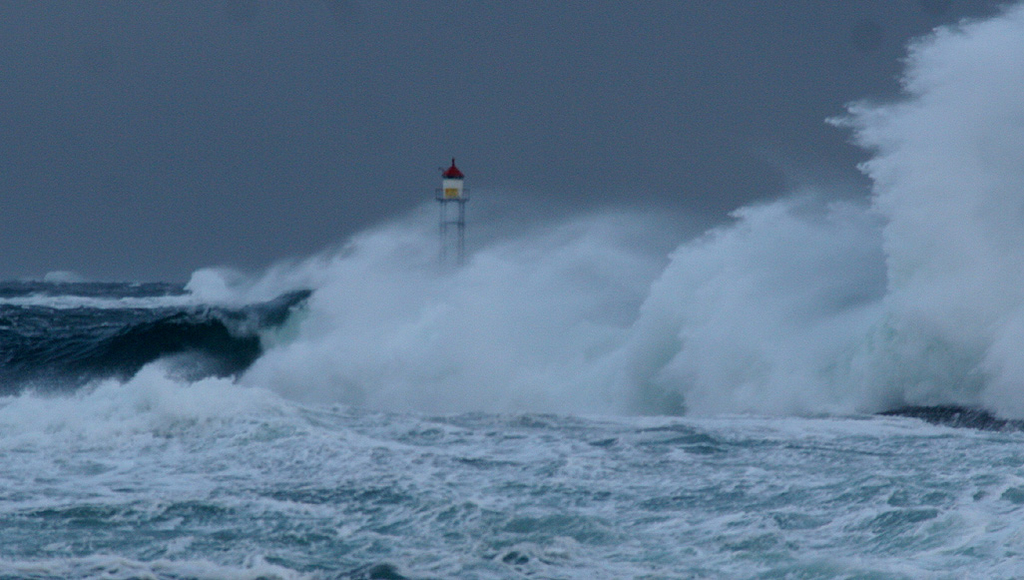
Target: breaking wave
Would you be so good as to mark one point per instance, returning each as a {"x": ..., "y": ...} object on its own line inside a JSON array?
[
  {"x": 800, "y": 305},
  {"x": 797, "y": 306},
  {"x": 63, "y": 336}
]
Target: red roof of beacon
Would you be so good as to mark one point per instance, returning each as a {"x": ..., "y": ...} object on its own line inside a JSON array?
[{"x": 452, "y": 172}]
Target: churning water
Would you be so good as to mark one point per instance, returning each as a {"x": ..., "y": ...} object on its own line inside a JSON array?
[{"x": 574, "y": 401}]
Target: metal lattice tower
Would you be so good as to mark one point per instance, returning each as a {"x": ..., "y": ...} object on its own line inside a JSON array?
[{"x": 452, "y": 198}]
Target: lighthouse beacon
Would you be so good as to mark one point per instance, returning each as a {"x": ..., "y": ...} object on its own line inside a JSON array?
[
  {"x": 452, "y": 198},
  {"x": 451, "y": 182}
]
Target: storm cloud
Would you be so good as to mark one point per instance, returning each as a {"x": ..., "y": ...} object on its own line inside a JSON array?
[{"x": 144, "y": 140}]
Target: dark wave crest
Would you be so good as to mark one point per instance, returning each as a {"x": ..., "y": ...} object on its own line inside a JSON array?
[
  {"x": 957, "y": 416},
  {"x": 47, "y": 347}
]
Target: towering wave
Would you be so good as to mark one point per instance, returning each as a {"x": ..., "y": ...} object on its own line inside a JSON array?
[
  {"x": 797, "y": 306},
  {"x": 57, "y": 337},
  {"x": 765, "y": 323},
  {"x": 949, "y": 178},
  {"x": 526, "y": 324},
  {"x": 805, "y": 329}
]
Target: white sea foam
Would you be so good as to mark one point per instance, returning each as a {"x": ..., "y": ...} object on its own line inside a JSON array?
[
  {"x": 789, "y": 312},
  {"x": 799, "y": 305},
  {"x": 948, "y": 171},
  {"x": 151, "y": 402},
  {"x": 114, "y": 567},
  {"x": 522, "y": 326},
  {"x": 67, "y": 302}
]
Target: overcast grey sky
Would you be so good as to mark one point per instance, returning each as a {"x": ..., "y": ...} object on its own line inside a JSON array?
[{"x": 141, "y": 140}]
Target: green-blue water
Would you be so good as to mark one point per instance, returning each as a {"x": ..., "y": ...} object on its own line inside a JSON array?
[{"x": 212, "y": 480}]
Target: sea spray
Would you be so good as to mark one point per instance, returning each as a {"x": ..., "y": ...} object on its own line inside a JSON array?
[
  {"x": 764, "y": 315},
  {"x": 916, "y": 300},
  {"x": 948, "y": 174},
  {"x": 799, "y": 305},
  {"x": 520, "y": 327}
]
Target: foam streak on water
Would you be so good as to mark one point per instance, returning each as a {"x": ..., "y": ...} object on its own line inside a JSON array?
[{"x": 215, "y": 481}]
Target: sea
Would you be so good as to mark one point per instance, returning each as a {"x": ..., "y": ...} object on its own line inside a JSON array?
[{"x": 824, "y": 386}]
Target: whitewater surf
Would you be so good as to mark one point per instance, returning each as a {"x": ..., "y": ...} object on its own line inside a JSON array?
[{"x": 604, "y": 396}]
